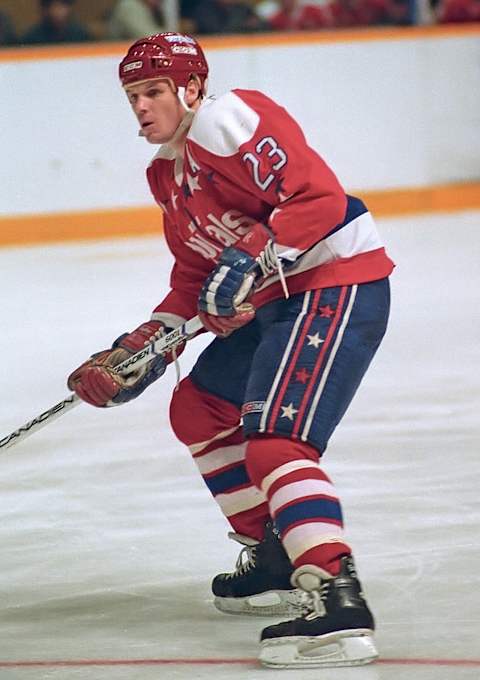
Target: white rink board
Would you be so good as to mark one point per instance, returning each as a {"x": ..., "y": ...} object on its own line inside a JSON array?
[
  {"x": 109, "y": 538},
  {"x": 384, "y": 114}
]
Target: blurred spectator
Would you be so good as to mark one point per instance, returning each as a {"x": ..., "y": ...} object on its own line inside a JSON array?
[
  {"x": 454, "y": 11},
  {"x": 132, "y": 19},
  {"x": 298, "y": 15},
  {"x": 56, "y": 25},
  {"x": 7, "y": 32},
  {"x": 225, "y": 16},
  {"x": 293, "y": 15},
  {"x": 187, "y": 7},
  {"x": 350, "y": 13}
]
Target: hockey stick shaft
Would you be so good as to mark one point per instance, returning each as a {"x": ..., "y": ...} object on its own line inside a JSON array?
[{"x": 160, "y": 346}]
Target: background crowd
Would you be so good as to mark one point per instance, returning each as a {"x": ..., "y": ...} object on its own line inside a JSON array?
[{"x": 73, "y": 21}]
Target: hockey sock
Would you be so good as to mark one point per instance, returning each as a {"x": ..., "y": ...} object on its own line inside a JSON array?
[
  {"x": 211, "y": 428},
  {"x": 302, "y": 501}
]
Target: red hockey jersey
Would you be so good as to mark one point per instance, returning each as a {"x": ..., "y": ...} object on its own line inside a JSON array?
[{"x": 248, "y": 175}]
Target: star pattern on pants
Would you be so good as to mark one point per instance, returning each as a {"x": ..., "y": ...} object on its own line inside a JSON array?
[
  {"x": 302, "y": 376},
  {"x": 314, "y": 340},
  {"x": 288, "y": 411},
  {"x": 326, "y": 312}
]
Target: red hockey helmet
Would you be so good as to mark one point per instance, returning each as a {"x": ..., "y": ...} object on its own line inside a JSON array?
[{"x": 164, "y": 55}]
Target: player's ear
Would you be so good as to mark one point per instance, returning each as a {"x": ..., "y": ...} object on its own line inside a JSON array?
[{"x": 193, "y": 90}]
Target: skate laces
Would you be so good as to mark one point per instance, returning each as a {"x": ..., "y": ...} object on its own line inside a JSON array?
[
  {"x": 270, "y": 263},
  {"x": 245, "y": 561},
  {"x": 313, "y": 602}
]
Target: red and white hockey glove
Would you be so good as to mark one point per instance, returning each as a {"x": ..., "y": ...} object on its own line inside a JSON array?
[
  {"x": 223, "y": 301},
  {"x": 95, "y": 381}
]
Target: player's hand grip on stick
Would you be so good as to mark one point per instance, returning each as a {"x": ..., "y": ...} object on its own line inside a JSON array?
[
  {"x": 159, "y": 347},
  {"x": 98, "y": 383}
]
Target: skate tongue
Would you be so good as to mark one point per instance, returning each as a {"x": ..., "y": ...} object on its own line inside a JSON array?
[
  {"x": 309, "y": 577},
  {"x": 243, "y": 540}
]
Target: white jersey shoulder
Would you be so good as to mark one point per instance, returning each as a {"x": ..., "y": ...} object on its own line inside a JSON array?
[{"x": 222, "y": 125}]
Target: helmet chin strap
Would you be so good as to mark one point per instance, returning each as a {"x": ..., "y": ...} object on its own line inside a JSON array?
[
  {"x": 187, "y": 118},
  {"x": 181, "y": 96},
  {"x": 185, "y": 122},
  {"x": 183, "y": 127}
]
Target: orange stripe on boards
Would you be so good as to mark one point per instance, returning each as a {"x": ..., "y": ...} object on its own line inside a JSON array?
[
  {"x": 41, "y": 53},
  {"x": 348, "y": 35},
  {"x": 374, "y": 34},
  {"x": 440, "y": 198},
  {"x": 78, "y": 226},
  {"x": 147, "y": 221}
]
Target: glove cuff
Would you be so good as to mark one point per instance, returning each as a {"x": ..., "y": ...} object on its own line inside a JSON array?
[
  {"x": 255, "y": 240},
  {"x": 265, "y": 263},
  {"x": 136, "y": 340}
]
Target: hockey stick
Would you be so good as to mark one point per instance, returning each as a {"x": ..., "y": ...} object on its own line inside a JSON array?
[{"x": 160, "y": 346}]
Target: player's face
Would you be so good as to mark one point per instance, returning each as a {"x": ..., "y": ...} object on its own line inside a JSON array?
[{"x": 157, "y": 108}]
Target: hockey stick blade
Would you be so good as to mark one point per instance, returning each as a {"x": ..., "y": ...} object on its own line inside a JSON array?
[{"x": 160, "y": 346}]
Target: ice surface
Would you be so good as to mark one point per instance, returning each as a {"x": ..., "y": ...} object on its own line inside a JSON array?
[{"x": 108, "y": 538}]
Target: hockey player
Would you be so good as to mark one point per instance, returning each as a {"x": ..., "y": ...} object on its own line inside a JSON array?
[{"x": 291, "y": 275}]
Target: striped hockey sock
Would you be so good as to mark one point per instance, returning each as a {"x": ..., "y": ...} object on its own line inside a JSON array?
[
  {"x": 211, "y": 428},
  {"x": 224, "y": 472},
  {"x": 302, "y": 501}
]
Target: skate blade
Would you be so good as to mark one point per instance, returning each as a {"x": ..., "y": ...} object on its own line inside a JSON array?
[
  {"x": 342, "y": 648},
  {"x": 271, "y": 603}
]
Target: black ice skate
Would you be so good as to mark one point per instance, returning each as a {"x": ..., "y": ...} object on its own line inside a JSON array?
[
  {"x": 335, "y": 628},
  {"x": 260, "y": 584}
]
